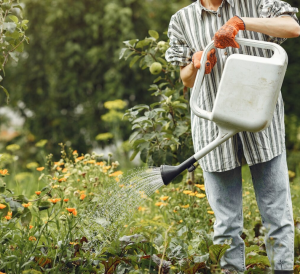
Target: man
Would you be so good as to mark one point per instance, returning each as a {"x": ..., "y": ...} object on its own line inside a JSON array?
[{"x": 190, "y": 30}]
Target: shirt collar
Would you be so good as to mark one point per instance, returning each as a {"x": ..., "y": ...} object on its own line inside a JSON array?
[{"x": 200, "y": 7}]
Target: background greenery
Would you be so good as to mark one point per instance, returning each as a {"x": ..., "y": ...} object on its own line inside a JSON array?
[{"x": 71, "y": 67}]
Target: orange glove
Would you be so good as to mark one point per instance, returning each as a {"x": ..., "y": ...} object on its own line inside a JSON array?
[
  {"x": 210, "y": 63},
  {"x": 224, "y": 37}
]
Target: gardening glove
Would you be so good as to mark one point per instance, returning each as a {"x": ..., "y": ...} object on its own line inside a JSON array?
[
  {"x": 210, "y": 63},
  {"x": 224, "y": 37}
]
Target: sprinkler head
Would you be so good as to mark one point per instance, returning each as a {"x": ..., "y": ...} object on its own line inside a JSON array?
[{"x": 169, "y": 173}]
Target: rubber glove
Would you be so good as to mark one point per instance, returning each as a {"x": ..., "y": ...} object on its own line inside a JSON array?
[
  {"x": 210, "y": 63},
  {"x": 224, "y": 37}
]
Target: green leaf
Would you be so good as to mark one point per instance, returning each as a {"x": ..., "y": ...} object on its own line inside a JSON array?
[
  {"x": 44, "y": 205},
  {"x": 14, "y": 56},
  {"x": 4, "y": 211},
  {"x": 159, "y": 157},
  {"x": 9, "y": 26},
  {"x": 16, "y": 208},
  {"x": 122, "y": 52},
  {"x": 26, "y": 217},
  {"x": 130, "y": 43},
  {"x": 153, "y": 34},
  {"x": 21, "y": 198},
  {"x": 216, "y": 252},
  {"x": 13, "y": 18},
  {"x": 140, "y": 119},
  {"x": 163, "y": 61},
  {"x": 19, "y": 7},
  {"x": 257, "y": 259},
  {"x": 134, "y": 60},
  {"x": 138, "y": 142},
  {"x": 180, "y": 129},
  {"x": 7, "y": 94},
  {"x": 135, "y": 152},
  {"x": 144, "y": 155}
]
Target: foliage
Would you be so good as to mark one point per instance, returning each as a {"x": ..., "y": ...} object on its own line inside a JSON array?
[
  {"x": 161, "y": 131},
  {"x": 12, "y": 34},
  {"x": 71, "y": 68}
]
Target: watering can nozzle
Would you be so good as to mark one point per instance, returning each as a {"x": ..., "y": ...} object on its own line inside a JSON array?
[{"x": 168, "y": 173}]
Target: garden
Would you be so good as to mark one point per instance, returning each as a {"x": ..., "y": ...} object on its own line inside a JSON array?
[{"x": 80, "y": 184}]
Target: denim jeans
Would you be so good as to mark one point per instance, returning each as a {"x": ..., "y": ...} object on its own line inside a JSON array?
[{"x": 272, "y": 191}]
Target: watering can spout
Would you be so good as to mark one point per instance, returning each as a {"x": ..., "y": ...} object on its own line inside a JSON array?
[{"x": 169, "y": 173}]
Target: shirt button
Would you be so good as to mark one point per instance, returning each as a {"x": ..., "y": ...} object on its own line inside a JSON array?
[{"x": 219, "y": 15}]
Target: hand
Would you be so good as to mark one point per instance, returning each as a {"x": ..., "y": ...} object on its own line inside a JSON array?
[
  {"x": 210, "y": 63},
  {"x": 225, "y": 36}
]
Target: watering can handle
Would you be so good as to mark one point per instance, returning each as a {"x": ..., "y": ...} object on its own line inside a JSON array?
[{"x": 279, "y": 53}]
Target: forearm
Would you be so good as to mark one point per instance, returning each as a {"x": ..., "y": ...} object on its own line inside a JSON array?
[
  {"x": 282, "y": 27},
  {"x": 188, "y": 75}
]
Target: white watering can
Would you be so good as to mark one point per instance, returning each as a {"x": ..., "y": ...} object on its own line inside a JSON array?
[{"x": 246, "y": 97}]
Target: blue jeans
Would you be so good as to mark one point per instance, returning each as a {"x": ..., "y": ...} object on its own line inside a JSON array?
[{"x": 272, "y": 191}]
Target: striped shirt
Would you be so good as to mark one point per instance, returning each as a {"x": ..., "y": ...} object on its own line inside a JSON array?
[{"x": 190, "y": 30}]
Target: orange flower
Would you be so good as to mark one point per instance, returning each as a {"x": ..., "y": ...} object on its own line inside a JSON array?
[
  {"x": 54, "y": 201},
  {"x": 31, "y": 238},
  {"x": 75, "y": 212},
  {"x": 38, "y": 193},
  {"x": 164, "y": 198},
  {"x": 187, "y": 191},
  {"x": 100, "y": 164},
  {"x": 192, "y": 194},
  {"x": 7, "y": 217},
  {"x": 64, "y": 170},
  {"x": 2, "y": 206},
  {"x": 121, "y": 185},
  {"x": 140, "y": 208},
  {"x": 82, "y": 196},
  {"x": 210, "y": 212},
  {"x": 40, "y": 168},
  {"x": 4, "y": 172},
  {"x": 58, "y": 168},
  {"x": 31, "y": 226},
  {"x": 79, "y": 159},
  {"x": 160, "y": 204},
  {"x": 185, "y": 206},
  {"x": 9, "y": 213},
  {"x": 58, "y": 163},
  {"x": 117, "y": 179},
  {"x": 74, "y": 243},
  {"x": 66, "y": 200},
  {"x": 116, "y": 173},
  {"x": 157, "y": 191},
  {"x": 63, "y": 179},
  {"x": 54, "y": 178},
  {"x": 75, "y": 151},
  {"x": 26, "y": 205}
]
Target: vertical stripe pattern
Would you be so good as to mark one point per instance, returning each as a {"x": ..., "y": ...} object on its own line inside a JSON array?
[{"x": 190, "y": 30}]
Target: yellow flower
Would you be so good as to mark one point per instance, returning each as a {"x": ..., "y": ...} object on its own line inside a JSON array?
[
  {"x": 117, "y": 179},
  {"x": 157, "y": 191},
  {"x": 185, "y": 206},
  {"x": 58, "y": 163},
  {"x": 2, "y": 206},
  {"x": 202, "y": 187},
  {"x": 121, "y": 185},
  {"x": 160, "y": 204},
  {"x": 192, "y": 194},
  {"x": 201, "y": 195},
  {"x": 164, "y": 198},
  {"x": 247, "y": 193},
  {"x": 187, "y": 191},
  {"x": 116, "y": 173},
  {"x": 91, "y": 161},
  {"x": 180, "y": 221},
  {"x": 100, "y": 163},
  {"x": 63, "y": 179},
  {"x": 31, "y": 238},
  {"x": 125, "y": 225},
  {"x": 4, "y": 172},
  {"x": 210, "y": 212},
  {"x": 55, "y": 186},
  {"x": 40, "y": 168}
]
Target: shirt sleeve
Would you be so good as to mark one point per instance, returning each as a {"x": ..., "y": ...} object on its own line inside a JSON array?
[
  {"x": 178, "y": 54},
  {"x": 276, "y": 8}
]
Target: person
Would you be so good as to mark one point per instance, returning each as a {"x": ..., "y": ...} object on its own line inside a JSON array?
[{"x": 190, "y": 30}]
